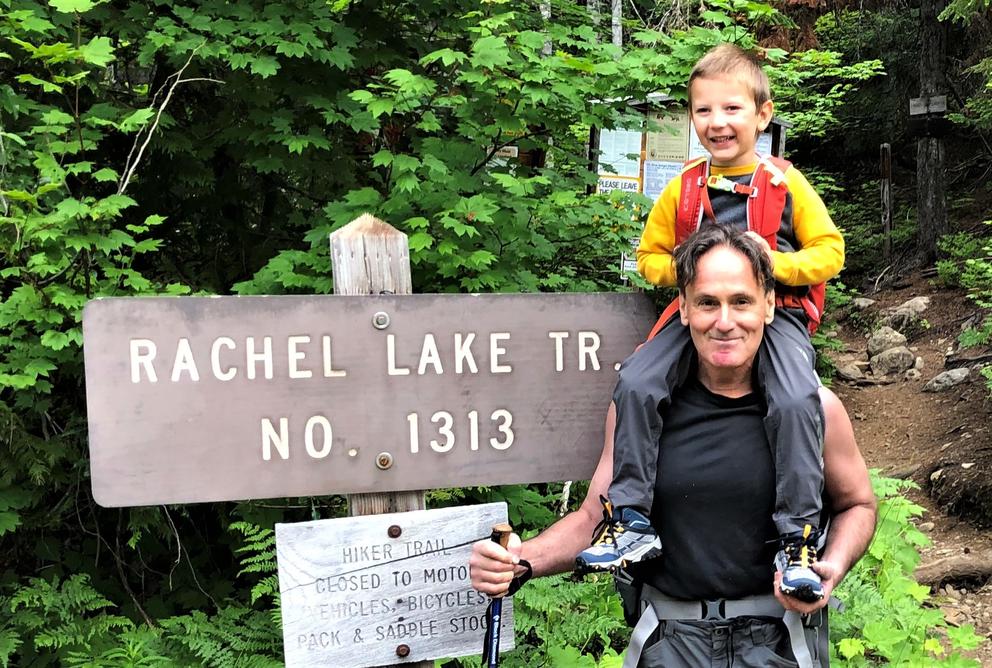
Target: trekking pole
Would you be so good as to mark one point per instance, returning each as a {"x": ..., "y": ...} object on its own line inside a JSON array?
[{"x": 494, "y": 613}]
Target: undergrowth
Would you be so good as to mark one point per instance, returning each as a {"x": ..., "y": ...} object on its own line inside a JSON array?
[
  {"x": 967, "y": 263},
  {"x": 889, "y": 619}
]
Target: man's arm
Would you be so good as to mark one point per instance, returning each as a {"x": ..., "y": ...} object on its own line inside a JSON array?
[
  {"x": 554, "y": 549},
  {"x": 853, "y": 503}
]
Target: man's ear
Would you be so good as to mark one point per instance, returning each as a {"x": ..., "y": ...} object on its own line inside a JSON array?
[
  {"x": 683, "y": 310},
  {"x": 765, "y": 113},
  {"x": 769, "y": 307}
]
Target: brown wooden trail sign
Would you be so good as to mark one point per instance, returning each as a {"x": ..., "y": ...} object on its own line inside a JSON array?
[
  {"x": 195, "y": 399},
  {"x": 380, "y": 589},
  {"x": 227, "y": 398}
]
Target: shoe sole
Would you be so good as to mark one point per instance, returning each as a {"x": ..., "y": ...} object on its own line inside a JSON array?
[
  {"x": 802, "y": 593},
  {"x": 649, "y": 551}
]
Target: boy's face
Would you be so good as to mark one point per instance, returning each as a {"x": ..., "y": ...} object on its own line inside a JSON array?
[{"x": 726, "y": 119}]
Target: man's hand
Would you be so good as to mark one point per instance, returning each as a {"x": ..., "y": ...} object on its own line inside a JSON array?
[
  {"x": 764, "y": 245},
  {"x": 830, "y": 575},
  {"x": 492, "y": 568}
]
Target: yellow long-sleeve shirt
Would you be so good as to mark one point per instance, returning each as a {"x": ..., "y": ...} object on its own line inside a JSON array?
[{"x": 818, "y": 252}]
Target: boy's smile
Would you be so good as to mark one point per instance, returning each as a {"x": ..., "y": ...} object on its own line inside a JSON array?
[{"x": 726, "y": 119}]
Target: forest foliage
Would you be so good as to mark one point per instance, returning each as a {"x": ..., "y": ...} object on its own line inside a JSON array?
[{"x": 208, "y": 147}]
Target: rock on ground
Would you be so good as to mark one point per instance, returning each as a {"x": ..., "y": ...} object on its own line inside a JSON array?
[
  {"x": 947, "y": 380},
  {"x": 893, "y": 361},
  {"x": 884, "y": 338}
]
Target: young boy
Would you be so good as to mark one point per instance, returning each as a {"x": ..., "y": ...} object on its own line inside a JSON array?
[{"x": 730, "y": 105}]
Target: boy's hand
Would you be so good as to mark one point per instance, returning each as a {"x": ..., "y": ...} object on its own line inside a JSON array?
[{"x": 764, "y": 245}]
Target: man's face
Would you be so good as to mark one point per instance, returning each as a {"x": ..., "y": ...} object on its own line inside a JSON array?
[
  {"x": 726, "y": 119},
  {"x": 726, "y": 310}
]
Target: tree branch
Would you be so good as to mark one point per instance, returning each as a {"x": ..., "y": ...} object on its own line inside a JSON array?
[{"x": 130, "y": 165}]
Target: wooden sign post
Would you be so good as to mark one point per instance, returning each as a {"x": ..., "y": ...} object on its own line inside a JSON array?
[
  {"x": 371, "y": 257},
  {"x": 885, "y": 164}
]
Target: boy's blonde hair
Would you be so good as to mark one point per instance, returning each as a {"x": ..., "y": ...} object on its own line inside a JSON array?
[{"x": 730, "y": 59}]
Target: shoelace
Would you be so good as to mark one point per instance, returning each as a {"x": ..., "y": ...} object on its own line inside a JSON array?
[
  {"x": 605, "y": 530},
  {"x": 800, "y": 550}
]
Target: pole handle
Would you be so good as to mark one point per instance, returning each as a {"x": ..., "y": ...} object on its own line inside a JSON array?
[{"x": 501, "y": 534}]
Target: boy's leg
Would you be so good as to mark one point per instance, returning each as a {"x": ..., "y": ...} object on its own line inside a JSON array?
[
  {"x": 644, "y": 385},
  {"x": 794, "y": 426}
]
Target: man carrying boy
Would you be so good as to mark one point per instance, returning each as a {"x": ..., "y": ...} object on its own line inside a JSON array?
[
  {"x": 708, "y": 601},
  {"x": 730, "y": 105}
]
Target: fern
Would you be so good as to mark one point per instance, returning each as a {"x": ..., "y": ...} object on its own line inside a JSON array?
[
  {"x": 139, "y": 648},
  {"x": 68, "y": 615},
  {"x": 888, "y": 616},
  {"x": 236, "y": 637},
  {"x": 259, "y": 553},
  {"x": 9, "y": 642}
]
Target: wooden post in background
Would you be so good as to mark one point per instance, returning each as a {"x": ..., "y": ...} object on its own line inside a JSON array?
[
  {"x": 931, "y": 205},
  {"x": 885, "y": 165},
  {"x": 371, "y": 257}
]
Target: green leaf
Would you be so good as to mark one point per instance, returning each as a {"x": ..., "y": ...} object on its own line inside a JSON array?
[
  {"x": 417, "y": 223},
  {"x": 851, "y": 647},
  {"x": 70, "y": 6},
  {"x": 104, "y": 175},
  {"x": 14, "y": 138},
  {"x": 56, "y": 117},
  {"x": 41, "y": 367},
  {"x": 264, "y": 66},
  {"x": 380, "y": 106},
  {"x": 419, "y": 241},
  {"x": 46, "y": 86},
  {"x": 964, "y": 637},
  {"x": 446, "y": 56},
  {"x": 8, "y": 521},
  {"x": 55, "y": 340},
  {"x": 98, "y": 51},
  {"x": 136, "y": 120},
  {"x": 490, "y": 52},
  {"x": 382, "y": 158}
]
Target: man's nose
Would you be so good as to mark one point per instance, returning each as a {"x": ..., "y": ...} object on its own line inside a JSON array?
[{"x": 725, "y": 322}]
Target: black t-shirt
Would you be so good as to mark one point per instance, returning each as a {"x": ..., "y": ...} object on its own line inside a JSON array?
[{"x": 714, "y": 498}]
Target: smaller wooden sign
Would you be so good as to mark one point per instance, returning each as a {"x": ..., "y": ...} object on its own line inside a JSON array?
[
  {"x": 919, "y": 106},
  {"x": 384, "y": 589}
]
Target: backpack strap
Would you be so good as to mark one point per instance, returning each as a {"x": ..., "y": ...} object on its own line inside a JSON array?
[
  {"x": 690, "y": 211},
  {"x": 765, "y": 206},
  {"x": 656, "y": 608}
]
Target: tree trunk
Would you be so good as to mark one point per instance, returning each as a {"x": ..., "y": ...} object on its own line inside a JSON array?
[
  {"x": 932, "y": 213},
  {"x": 617, "y": 11},
  {"x": 595, "y": 15},
  {"x": 546, "y": 15}
]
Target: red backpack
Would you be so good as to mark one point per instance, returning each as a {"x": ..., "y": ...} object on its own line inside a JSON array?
[{"x": 766, "y": 201}]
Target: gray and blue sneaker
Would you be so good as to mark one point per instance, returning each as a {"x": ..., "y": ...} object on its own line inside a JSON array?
[
  {"x": 795, "y": 560},
  {"x": 623, "y": 537}
]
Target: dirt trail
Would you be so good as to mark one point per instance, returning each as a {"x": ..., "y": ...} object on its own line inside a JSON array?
[{"x": 903, "y": 431}]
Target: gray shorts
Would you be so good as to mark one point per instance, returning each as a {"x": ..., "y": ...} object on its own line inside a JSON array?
[{"x": 743, "y": 642}]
